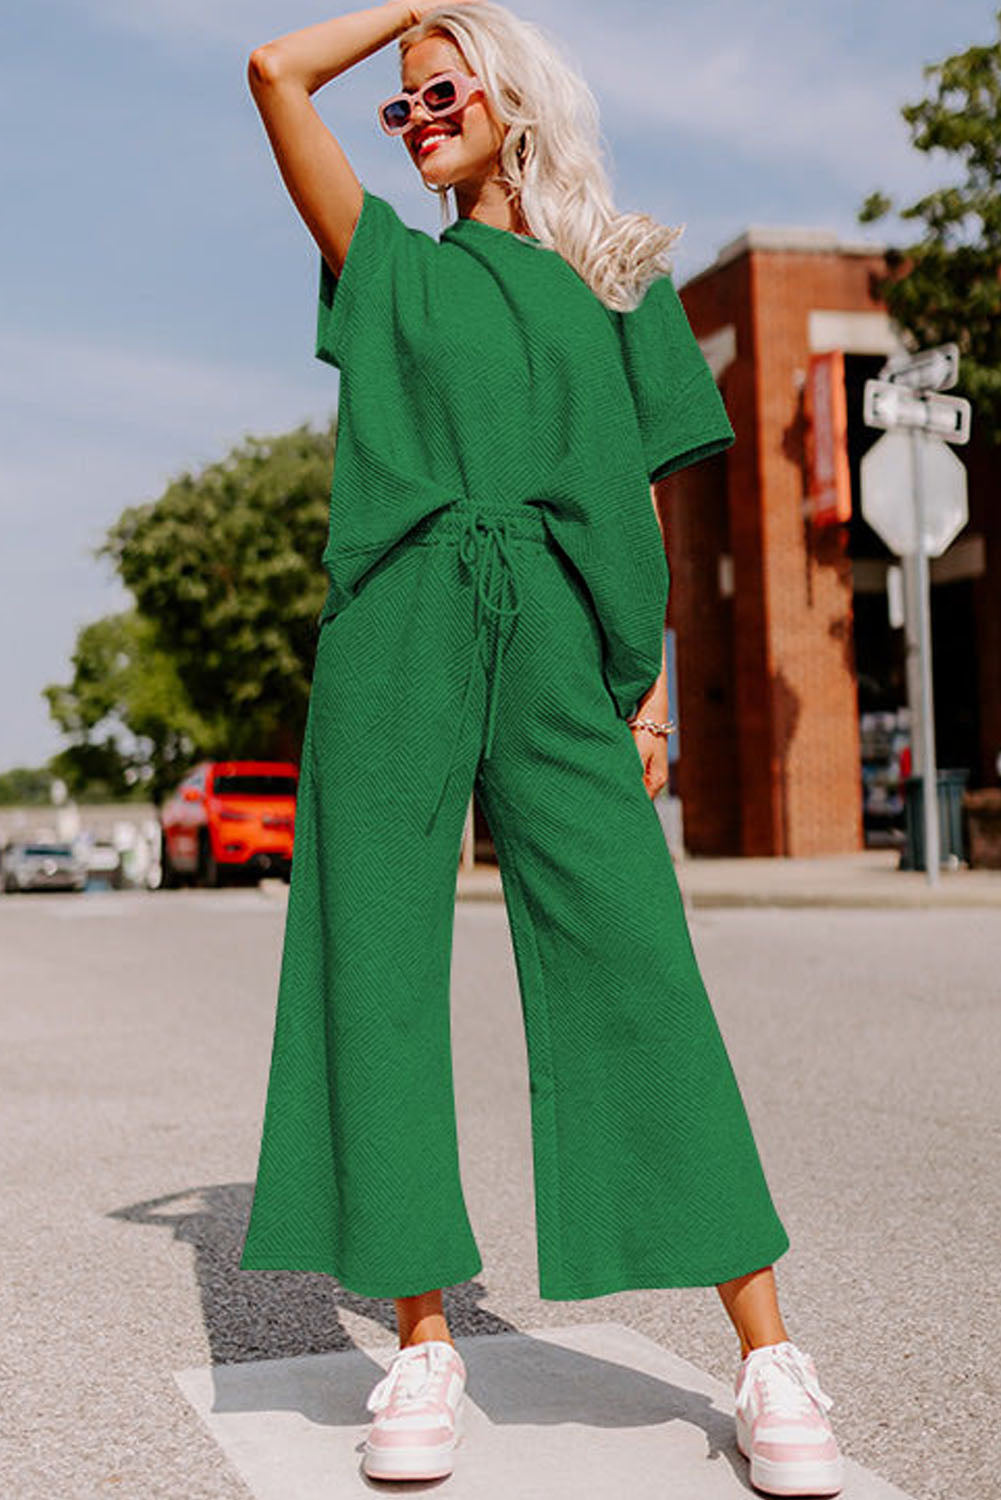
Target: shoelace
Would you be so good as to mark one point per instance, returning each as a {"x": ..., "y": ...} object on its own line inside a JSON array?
[
  {"x": 411, "y": 1371},
  {"x": 783, "y": 1363}
]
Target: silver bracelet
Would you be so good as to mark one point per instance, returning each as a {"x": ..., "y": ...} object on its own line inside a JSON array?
[{"x": 666, "y": 728}]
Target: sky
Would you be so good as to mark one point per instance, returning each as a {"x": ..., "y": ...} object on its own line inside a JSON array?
[{"x": 160, "y": 288}]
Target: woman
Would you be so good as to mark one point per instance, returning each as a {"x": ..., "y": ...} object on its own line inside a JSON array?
[{"x": 510, "y": 394}]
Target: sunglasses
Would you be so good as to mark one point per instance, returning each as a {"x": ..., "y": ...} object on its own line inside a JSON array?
[{"x": 440, "y": 95}]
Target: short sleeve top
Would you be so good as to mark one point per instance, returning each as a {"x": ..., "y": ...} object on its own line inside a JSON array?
[{"x": 481, "y": 365}]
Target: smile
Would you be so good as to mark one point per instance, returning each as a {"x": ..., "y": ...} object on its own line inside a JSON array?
[{"x": 429, "y": 142}]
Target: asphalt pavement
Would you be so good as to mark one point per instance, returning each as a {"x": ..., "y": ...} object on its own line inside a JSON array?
[{"x": 136, "y": 1039}]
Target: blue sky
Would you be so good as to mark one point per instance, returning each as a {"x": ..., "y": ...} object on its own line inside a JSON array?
[{"x": 161, "y": 289}]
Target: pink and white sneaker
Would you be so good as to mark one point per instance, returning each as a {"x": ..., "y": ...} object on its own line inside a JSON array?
[
  {"x": 782, "y": 1425},
  {"x": 419, "y": 1406}
]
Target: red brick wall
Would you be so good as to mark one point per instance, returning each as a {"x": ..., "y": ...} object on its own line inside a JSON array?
[{"x": 792, "y": 749}]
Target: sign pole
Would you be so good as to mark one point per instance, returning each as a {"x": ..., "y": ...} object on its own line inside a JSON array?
[
  {"x": 918, "y": 525},
  {"x": 922, "y": 593},
  {"x": 912, "y": 656}
]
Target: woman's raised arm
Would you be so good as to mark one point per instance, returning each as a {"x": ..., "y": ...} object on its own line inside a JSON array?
[{"x": 282, "y": 76}]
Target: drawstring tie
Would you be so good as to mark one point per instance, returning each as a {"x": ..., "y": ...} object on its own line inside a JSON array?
[{"x": 483, "y": 547}]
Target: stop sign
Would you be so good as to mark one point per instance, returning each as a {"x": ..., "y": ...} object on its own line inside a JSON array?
[{"x": 889, "y": 491}]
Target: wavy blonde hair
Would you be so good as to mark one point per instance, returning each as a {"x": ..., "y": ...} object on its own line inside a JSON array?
[{"x": 551, "y": 156}]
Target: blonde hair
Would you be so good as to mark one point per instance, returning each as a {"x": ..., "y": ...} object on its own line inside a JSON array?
[{"x": 551, "y": 156}]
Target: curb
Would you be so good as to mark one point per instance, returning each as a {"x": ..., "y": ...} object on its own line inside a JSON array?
[{"x": 868, "y": 891}]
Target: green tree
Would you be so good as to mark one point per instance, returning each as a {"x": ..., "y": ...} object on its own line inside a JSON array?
[
  {"x": 225, "y": 568},
  {"x": 25, "y": 785},
  {"x": 945, "y": 287},
  {"x": 131, "y": 727}
]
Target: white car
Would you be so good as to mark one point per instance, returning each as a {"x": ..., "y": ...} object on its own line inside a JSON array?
[
  {"x": 104, "y": 860},
  {"x": 43, "y": 867}
]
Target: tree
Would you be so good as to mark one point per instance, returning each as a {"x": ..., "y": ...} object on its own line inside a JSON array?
[
  {"x": 225, "y": 568},
  {"x": 946, "y": 287},
  {"x": 27, "y": 785},
  {"x": 131, "y": 725}
]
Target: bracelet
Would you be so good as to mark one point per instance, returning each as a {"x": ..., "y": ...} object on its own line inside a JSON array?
[{"x": 666, "y": 728}]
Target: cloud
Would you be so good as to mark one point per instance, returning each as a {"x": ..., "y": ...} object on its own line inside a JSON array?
[
  {"x": 793, "y": 84},
  {"x": 88, "y": 430},
  {"x": 765, "y": 82},
  {"x": 115, "y": 398},
  {"x": 187, "y": 22}
]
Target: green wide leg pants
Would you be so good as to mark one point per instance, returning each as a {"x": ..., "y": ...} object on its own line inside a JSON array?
[{"x": 471, "y": 657}]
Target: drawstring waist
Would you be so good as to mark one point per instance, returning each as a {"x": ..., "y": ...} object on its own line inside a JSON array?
[{"x": 483, "y": 538}]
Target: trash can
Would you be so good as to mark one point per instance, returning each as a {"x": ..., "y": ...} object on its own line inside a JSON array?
[
  {"x": 951, "y": 785},
  {"x": 983, "y": 827}
]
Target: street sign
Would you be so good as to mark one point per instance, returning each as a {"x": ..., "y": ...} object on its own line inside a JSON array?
[
  {"x": 889, "y": 482},
  {"x": 928, "y": 370},
  {"x": 914, "y": 496},
  {"x": 888, "y": 404}
]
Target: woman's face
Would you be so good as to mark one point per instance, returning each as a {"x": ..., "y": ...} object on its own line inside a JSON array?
[{"x": 474, "y": 133}]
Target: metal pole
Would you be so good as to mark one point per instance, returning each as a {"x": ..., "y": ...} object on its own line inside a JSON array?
[
  {"x": 922, "y": 591},
  {"x": 912, "y": 650}
]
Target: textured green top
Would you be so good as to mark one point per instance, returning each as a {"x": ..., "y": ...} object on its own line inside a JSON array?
[{"x": 480, "y": 365}]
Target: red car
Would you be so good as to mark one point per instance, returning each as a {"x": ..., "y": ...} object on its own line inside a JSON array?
[{"x": 229, "y": 818}]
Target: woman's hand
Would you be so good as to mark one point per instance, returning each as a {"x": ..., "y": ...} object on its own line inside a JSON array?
[
  {"x": 653, "y": 753},
  {"x": 652, "y": 747}
]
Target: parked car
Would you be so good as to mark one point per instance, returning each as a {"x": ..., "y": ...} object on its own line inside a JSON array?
[
  {"x": 43, "y": 867},
  {"x": 229, "y": 819},
  {"x": 103, "y": 861}
]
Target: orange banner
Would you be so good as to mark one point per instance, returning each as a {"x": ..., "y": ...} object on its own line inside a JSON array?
[{"x": 829, "y": 492}]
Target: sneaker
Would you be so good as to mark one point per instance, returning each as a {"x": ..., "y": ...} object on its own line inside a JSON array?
[
  {"x": 782, "y": 1425},
  {"x": 419, "y": 1406}
]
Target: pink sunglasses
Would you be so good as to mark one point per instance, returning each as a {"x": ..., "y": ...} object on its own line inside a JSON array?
[{"x": 441, "y": 95}]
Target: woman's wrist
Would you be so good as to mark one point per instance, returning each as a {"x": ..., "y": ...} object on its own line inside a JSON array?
[
  {"x": 408, "y": 12},
  {"x": 316, "y": 54}
]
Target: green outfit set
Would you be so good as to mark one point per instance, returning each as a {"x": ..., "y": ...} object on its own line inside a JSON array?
[{"x": 496, "y": 608}]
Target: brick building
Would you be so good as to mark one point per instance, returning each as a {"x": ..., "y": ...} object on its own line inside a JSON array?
[{"x": 781, "y": 625}]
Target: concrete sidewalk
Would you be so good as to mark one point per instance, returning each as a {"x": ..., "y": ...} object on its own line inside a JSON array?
[
  {"x": 866, "y": 878},
  {"x": 591, "y": 1409}
]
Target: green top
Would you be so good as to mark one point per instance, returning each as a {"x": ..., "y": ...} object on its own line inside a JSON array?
[{"x": 481, "y": 365}]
